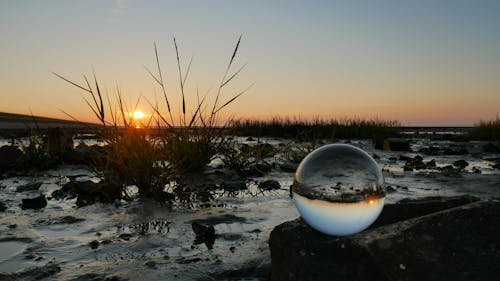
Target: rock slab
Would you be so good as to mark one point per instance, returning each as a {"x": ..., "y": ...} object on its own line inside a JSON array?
[{"x": 461, "y": 243}]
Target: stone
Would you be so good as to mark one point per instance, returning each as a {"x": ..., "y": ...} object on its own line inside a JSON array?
[
  {"x": 33, "y": 273},
  {"x": 9, "y": 156},
  {"x": 3, "y": 207},
  {"x": 204, "y": 234},
  {"x": 269, "y": 185},
  {"x": 415, "y": 163},
  {"x": 34, "y": 203},
  {"x": 396, "y": 144},
  {"x": 460, "y": 243},
  {"x": 460, "y": 164},
  {"x": 88, "y": 192},
  {"x": 29, "y": 187},
  {"x": 236, "y": 185}
]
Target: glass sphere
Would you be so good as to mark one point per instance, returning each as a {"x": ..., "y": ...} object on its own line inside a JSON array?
[{"x": 339, "y": 189}]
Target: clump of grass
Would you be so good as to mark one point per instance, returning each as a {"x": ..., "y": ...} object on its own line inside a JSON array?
[
  {"x": 183, "y": 144},
  {"x": 316, "y": 128},
  {"x": 486, "y": 130},
  {"x": 192, "y": 141}
]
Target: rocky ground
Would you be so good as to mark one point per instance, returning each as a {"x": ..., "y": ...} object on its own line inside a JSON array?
[{"x": 221, "y": 235}]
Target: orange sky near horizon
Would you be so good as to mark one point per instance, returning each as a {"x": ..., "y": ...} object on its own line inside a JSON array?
[{"x": 424, "y": 63}]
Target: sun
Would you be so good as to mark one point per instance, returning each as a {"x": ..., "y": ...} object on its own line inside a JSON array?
[{"x": 138, "y": 115}]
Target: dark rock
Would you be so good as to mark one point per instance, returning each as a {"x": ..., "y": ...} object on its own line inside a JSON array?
[
  {"x": 378, "y": 140},
  {"x": 34, "y": 203},
  {"x": 263, "y": 150},
  {"x": 396, "y": 144},
  {"x": 461, "y": 164},
  {"x": 250, "y": 139},
  {"x": 151, "y": 264},
  {"x": 29, "y": 187},
  {"x": 94, "y": 244},
  {"x": 97, "y": 277},
  {"x": 125, "y": 236},
  {"x": 3, "y": 207},
  {"x": 88, "y": 192},
  {"x": 59, "y": 220},
  {"x": 415, "y": 164},
  {"x": 32, "y": 273},
  {"x": 411, "y": 208},
  {"x": 269, "y": 185},
  {"x": 234, "y": 185},
  {"x": 491, "y": 148},
  {"x": 9, "y": 156},
  {"x": 476, "y": 170},
  {"x": 288, "y": 167},
  {"x": 431, "y": 164},
  {"x": 204, "y": 234},
  {"x": 455, "y": 244}
]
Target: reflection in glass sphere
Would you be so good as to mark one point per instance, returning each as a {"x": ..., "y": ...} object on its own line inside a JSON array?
[{"x": 339, "y": 189}]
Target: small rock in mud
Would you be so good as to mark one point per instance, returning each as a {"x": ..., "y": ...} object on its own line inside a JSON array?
[
  {"x": 9, "y": 155},
  {"x": 188, "y": 261},
  {"x": 151, "y": 264},
  {"x": 461, "y": 164},
  {"x": 97, "y": 277},
  {"x": 60, "y": 220},
  {"x": 125, "y": 236},
  {"x": 3, "y": 207},
  {"x": 234, "y": 185},
  {"x": 288, "y": 167},
  {"x": 94, "y": 244},
  {"x": 431, "y": 164},
  {"x": 29, "y": 187},
  {"x": 204, "y": 234},
  {"x": 269, "y": 185},
  {"x": 34, "y": 273},
  {"x": 34, "y": 203}
]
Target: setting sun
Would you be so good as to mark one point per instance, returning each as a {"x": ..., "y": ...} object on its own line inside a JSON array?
[{"x": 138, "y": 114}]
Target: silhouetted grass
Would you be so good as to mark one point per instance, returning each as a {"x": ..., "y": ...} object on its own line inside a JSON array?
[
  {"x": 316, "y": 128},
  {"x": 182, "y": 144},
  {"x": 486, "y": 130}
]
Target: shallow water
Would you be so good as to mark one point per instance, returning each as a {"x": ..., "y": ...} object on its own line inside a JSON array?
[{"x": 142, "y": 239}]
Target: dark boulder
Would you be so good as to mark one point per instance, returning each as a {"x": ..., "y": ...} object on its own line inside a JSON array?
[
  {"x": 33, "y": 273},
  {"x": 3, "y": 207},
  {"x": 235, "y": 185},
  {"x": 416, "y": 163},
  {"x": 203, "y": 234},
  {"x": 431, "y": 164},
  {"x": 34, "y": 203},
  {"x": 9, "y": 156},
  {"x": 29, "y": 187},
  {"x": 460, "y": 164},
  {"x": 455, "y": 244},
  {"x": 88, "y": 192},
  {"x": 269, "y": 185}
]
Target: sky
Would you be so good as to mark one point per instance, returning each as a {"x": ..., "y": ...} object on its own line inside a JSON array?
[{"x": 424, "y": 63}]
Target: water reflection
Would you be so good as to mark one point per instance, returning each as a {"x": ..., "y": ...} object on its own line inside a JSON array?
[{"x": 338, "y": 218}]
